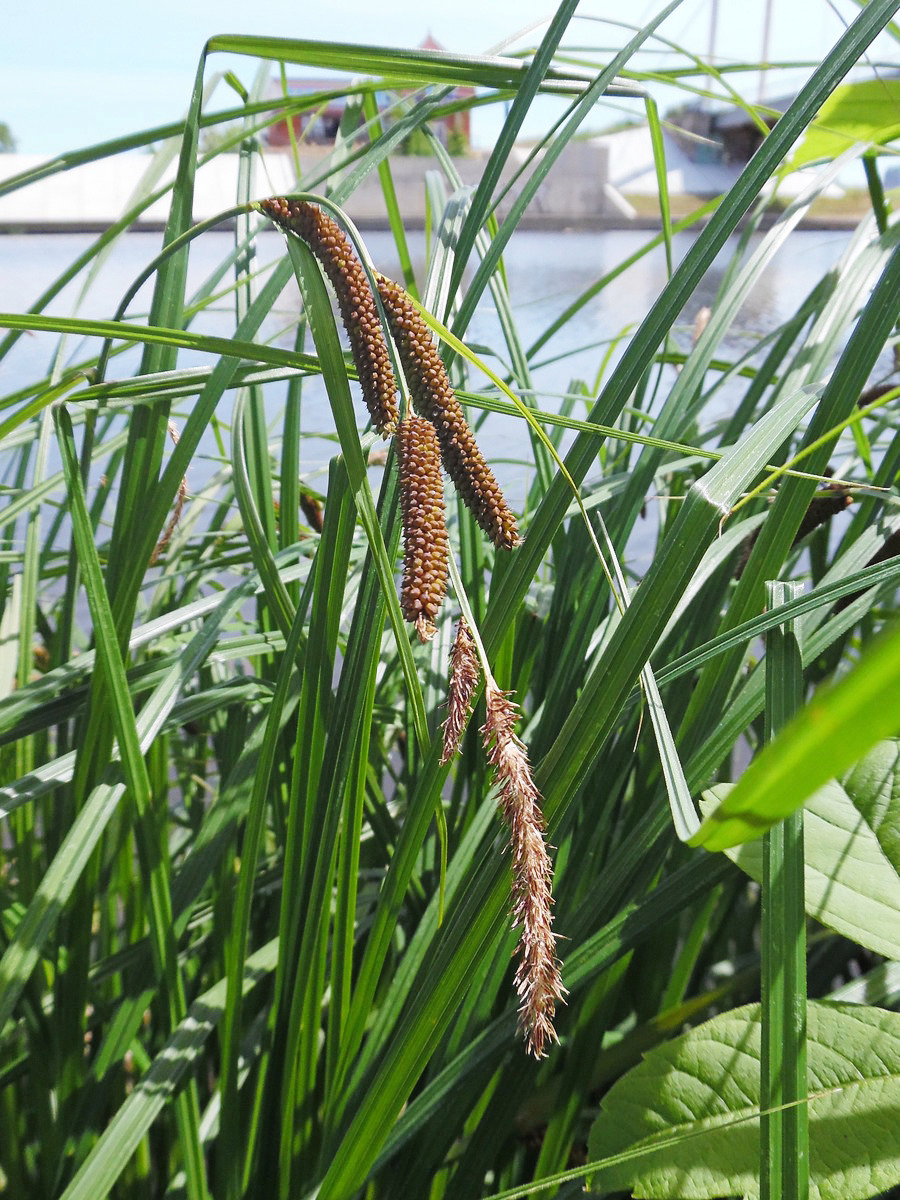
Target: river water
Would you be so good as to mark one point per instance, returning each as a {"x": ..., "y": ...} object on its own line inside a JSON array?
[{"x": 546, "y": 271}]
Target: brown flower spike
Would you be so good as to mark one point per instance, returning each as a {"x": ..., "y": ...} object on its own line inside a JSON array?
[
  {"x": 464, "y": 674},
  {"x": 172, "y": 525},
  {"x": 538, "y": 979},
  {"x": 425, "y": 544},
  {"x": 834, "y": 498},
  {"x": 359, "y": 312},
  {"x": 888, "y": 550},
  {"x": 435, "y": 399}
]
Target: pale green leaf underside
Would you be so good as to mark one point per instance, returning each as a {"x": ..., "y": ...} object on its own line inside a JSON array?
[
  {"x": 834, "y": 730},
  {"x": 854, "y": 112},
  {"x": 852, "y": 884},
  {"x": 702, "y": 1090},
  {"x": 874, "y": 784}
]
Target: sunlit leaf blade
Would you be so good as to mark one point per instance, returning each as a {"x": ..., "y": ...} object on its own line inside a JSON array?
[
  {"x": 833, "y": 731},
  {"x": 851, "y": 834},
  {"x": 865, "y": 111}
]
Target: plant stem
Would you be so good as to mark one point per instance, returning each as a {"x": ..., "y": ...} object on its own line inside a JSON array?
[{"x": 784, "y": 1134}]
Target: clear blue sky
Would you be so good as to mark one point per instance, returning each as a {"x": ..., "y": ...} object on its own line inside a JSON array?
[{"x": 72, "y": 74}]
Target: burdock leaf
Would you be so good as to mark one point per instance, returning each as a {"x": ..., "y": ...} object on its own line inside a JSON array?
[
  {"x": 866, "y": 111},
  {"x": 852, "y": 847},
  {"x": 699, "y": 1094},
  {"x": 874, "y": 786}
]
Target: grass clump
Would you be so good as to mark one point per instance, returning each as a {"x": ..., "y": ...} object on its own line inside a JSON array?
[{"x": 256, "y": 935}]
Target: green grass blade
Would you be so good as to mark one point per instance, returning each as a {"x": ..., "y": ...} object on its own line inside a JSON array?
[
  {"x": 135, "y": 1117},
  {"x": 115, "y": 688},
  {"x": 525, "y": 94},
  {"x": 662, "y": 176},
  {"x": 838, "y": 398},
  {"x": 230, "y": 1167},
  {"x": 490, "y": 261},
  {"x": 832, "y": 732},
  {"x": 784, "y": 1133}
]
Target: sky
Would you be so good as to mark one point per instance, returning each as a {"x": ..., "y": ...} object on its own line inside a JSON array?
[{"x": 72, "y": 75}]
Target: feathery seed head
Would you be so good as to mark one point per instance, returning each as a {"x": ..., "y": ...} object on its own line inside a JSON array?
[
  {"x": 465, "y": 671},
  {"x": 538, "y": 979},
  {"x": 172, "y": 523}
]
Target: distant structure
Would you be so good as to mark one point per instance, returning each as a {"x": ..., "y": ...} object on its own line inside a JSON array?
[
  {"x": 320, "y": 123},
  {"x": 727, "y": 135},
  {"x": 692, "y": 168}
]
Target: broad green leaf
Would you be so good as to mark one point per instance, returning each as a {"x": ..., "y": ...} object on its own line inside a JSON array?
[
  {"x": 832, "y": 732},
  {"x": 688, "y": 1115},
  {"x": 874, "y": 785},
  {"x": 851, "y": 885},
  {"x": 854, "y": 112}
]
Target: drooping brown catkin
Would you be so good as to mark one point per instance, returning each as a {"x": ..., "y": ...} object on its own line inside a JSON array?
[
  {"x": 425, "y": 543},
  {"x": 538, "y": 979},
  {"x": 359, "y": 312},
  {"x": 888, "y": 550},
  {"x": 824, "y": 505},
  {"x": 311, "y": 507},
  {"x": 833, "y": 498},
  {"x": 435, "y": 399},
  {"x": 870, "y": 395},
  {"x": 172, "y": 525},
  {"x": 464, "y": 673}
]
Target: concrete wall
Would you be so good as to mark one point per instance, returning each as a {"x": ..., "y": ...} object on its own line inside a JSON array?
[
  {"x": 96, "y": 194},
  {"x": 632, "y": 170},
  {"x": 99, "y": 193}
]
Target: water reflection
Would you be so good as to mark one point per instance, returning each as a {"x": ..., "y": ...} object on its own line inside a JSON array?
[{"x": 546, "y": 272}]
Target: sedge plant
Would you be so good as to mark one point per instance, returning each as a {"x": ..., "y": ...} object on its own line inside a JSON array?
[{"x": 257, "y": 935}]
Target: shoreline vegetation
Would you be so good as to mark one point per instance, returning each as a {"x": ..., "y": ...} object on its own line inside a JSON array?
[{"x": 373, "y": 829}]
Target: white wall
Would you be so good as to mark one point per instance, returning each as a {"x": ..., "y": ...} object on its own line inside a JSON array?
[{"x": 98, "y": 193}]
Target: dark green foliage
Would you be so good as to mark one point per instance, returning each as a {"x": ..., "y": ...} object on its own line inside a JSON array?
[{"x": 255, "y": 937}]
